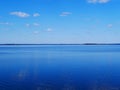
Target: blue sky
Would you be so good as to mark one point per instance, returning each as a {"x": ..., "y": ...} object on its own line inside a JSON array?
[{"x": 60, "y": 21}]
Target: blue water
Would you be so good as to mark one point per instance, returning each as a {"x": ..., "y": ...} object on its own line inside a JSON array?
[{"x": 60, "y": 67}]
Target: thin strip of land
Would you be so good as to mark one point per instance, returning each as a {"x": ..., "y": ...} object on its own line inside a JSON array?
[{"x": 69, "y": 44}]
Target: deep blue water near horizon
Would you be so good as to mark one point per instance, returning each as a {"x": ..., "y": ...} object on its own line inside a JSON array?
[{"x": 60, "y": 67}]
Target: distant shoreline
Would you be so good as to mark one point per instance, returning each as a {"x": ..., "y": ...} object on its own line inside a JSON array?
[{"x": 69, "y": 44}]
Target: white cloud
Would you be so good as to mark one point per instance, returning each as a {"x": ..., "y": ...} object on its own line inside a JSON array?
[
  {"x": 36, "y": 15},
  {"x": 49, "y": 30},
  {"x": 20, "y": 14},
  {"x": 36, "y": 24},
  {"x": 65, "y": 13},
  {"x": 5, "y": 23},
  {"x": 98, "y": 1},
  {"x": 27, "y": 25},
  {"x": 33, "y": 24},
  {"x": 110, "y": 25},
  {"x": 103, "y": 1},
  {"x": 36, "y": 32}
]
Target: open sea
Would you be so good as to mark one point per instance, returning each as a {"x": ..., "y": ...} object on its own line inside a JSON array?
[{"x": 60, "y": 67}]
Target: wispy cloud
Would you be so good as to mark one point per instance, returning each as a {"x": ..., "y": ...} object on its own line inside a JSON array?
[
  {"x": 110, "y": 25},
  {"x": 49, "y": 30},
  {"x": 98, "y": 1},
  {"x": 36, "y": 15},
  {"x": 65, "y": 13},
  {"x": 33, "y": 24},
  {"x": 5, "y": 23},
  {"x": 20, "y": 14},
  {"x": 27, "y": 25},
  {"x": 36, "y": 24},
  {"x": 36, "y": 32}
]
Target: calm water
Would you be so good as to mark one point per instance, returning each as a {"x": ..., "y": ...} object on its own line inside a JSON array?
[{"x": 60, "y": 67}]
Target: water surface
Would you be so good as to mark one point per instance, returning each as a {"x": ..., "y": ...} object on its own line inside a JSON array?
[{"x": 60, "y": 67}]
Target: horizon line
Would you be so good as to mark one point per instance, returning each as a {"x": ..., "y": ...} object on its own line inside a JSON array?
[{"x": 60, "y": 44}]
